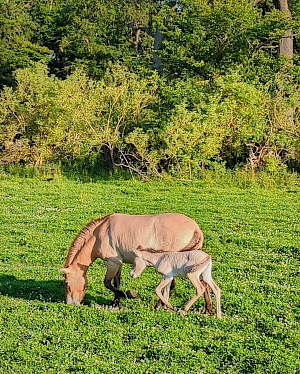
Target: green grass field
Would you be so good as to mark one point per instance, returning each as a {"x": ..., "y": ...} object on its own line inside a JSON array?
[{"x": 253, "y": 236}]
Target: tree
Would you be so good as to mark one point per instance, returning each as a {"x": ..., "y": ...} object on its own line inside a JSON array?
[
  {"x": 95, "y": 34},
  {"x": 286, "y": 45},
  {"x": 17, "y": 45}
]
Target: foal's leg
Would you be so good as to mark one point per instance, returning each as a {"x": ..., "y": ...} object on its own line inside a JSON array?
[
  {"x": 208, "y": 301},
  {"x": 194, "y": 278},
  {"x": 164, "y": 283},
  {"x": 217, "y": 291},
  {"x": 159, "y": 304},
  {"x": 215, "y": 288},
  {"x": 166, "y": 293}
]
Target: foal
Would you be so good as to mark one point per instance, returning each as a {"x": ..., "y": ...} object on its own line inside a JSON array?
[{"x": 190, "y": 264}]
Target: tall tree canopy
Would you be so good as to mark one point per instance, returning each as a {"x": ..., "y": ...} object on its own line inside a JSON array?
[{"x": 204, "y": 38}]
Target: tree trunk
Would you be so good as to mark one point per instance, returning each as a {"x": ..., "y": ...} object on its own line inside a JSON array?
[
  {"x": 158, "y": 38},
  {"x": 286, "y": 47}
]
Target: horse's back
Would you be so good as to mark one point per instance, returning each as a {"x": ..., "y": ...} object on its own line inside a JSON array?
[{"x": 167, "y": 232}]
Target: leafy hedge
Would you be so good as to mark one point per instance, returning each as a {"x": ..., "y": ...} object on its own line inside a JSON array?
[{"x": 145, "y": 125}]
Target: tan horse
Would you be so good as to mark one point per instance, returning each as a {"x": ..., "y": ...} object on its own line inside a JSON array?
[{"x": 114, "y": 238}]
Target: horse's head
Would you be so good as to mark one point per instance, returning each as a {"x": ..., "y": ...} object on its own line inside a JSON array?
[{"x": 76, "y": 283}]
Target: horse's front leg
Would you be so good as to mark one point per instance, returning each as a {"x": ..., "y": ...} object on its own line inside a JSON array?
[
  {"x": 117, "y": 283},
  {"x": 113, "y": 272},
  {"x": 117, "y": 278}
]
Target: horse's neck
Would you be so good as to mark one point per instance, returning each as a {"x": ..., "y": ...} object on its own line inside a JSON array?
[{"x": 86, "y": 256}]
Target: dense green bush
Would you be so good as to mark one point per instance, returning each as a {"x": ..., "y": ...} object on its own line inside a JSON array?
[
  {"x": 145, "y": 126},
  {"x": 46, "y": 119}
]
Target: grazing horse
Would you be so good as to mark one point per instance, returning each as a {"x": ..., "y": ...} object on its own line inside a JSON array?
[{"x": 115, "y": 238}]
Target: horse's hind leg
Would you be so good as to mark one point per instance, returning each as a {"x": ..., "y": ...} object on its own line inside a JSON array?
[{"x": 159, "y": 304}]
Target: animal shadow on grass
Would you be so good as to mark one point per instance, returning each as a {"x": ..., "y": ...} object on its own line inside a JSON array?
[{"x": 52, "y": 291}]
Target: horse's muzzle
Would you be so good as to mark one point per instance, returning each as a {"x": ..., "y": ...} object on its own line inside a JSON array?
[{"x": 71, "y": 301}]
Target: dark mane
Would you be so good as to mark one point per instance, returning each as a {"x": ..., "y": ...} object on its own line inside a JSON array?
[{"x": 82, "y": 238}]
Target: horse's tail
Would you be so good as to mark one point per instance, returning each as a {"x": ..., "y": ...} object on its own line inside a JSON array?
[{"x": 196, "y": 241}]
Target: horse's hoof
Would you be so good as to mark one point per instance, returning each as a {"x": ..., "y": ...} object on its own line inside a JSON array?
[
  {"x": 131, "y": 294},
  {"x": 115, "y": 303}
]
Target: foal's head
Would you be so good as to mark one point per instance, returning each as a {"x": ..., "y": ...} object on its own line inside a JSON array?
[
  {"x": 76, "y": 283},
  {"x": 137, "y": 267}
]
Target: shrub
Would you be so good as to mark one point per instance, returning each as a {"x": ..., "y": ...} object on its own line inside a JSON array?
[{"x": 55, "y": 119}]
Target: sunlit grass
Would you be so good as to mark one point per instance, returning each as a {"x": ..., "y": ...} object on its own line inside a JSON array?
[{"x": 253, "y": 236}]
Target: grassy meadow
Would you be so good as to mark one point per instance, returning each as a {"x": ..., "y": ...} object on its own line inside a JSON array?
[{"x": 252, "y": 234}]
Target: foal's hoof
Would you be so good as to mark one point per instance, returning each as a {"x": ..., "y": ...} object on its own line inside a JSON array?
[
  {"x": 158, "y": 305},
  {"x": 131, "y": 294},
  {"x": 172, "y": 308}
]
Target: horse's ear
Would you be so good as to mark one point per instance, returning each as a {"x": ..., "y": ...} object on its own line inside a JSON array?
[{"x": 65, "y": 270}]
